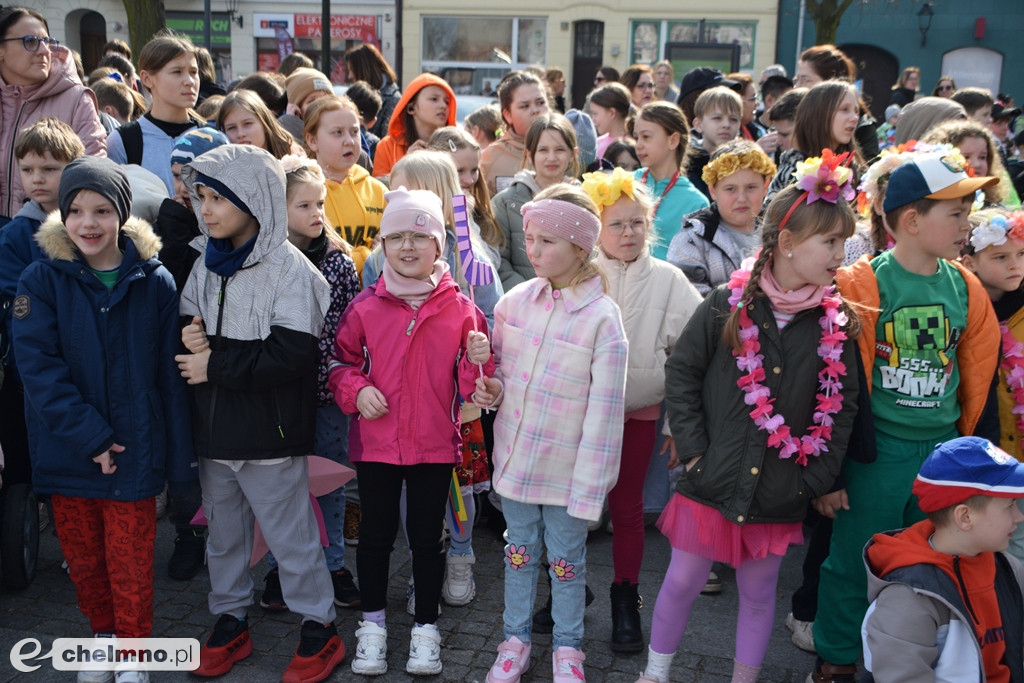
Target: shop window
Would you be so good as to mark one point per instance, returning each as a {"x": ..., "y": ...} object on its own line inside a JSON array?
[{"x": 647, "y": 37}]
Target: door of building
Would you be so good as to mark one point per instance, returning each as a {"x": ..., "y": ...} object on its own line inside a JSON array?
[
  {"x": 878, "y": 69},
  {"x": 93, "y": 32},
  {"x": 587, "y": 57}
]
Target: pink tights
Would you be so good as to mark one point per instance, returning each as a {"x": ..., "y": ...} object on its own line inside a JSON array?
[{"x": 687, "y": 574}]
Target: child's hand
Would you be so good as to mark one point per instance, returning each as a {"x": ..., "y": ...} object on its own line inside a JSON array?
[
  {"x": 487, "y": 392},
  {"x": 193, "y": 336},
  {"x": 831, "y": 503},
  {"x": 419, "y": 144},
  {"x": 293, "y": 109},
  {"x": 673, "y": 459},
  {"x": 371, "y": 403},
  {"x": 106, "y": 459},
  {"x": 478, "y": 349},
  {"x": 193, "y": 366}
]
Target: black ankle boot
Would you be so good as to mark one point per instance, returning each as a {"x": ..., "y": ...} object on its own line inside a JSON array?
[{"x": 627, "y": 635}]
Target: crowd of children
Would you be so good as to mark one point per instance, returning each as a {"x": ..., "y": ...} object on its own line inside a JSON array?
[{"x": 455, "y": 312}]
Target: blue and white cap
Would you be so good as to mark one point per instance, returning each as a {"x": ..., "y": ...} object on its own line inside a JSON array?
[{"x": 936, "y": 175}]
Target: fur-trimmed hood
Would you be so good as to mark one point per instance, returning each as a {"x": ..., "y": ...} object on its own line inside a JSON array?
[{"x": 52, "y": 237}]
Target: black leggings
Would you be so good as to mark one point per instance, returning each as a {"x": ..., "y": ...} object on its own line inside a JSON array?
[{"x": 380, "y": 489}]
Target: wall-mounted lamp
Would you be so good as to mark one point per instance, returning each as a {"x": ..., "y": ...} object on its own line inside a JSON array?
[
  {"x": 233, "y": 13},
  {"x": 116, "y": 26},
  {"x": 924, "y": 21},
  {"x": 387, "y": 16}
]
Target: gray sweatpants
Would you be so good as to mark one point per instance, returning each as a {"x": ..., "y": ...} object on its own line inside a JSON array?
[{"x": 277, "y": 496}]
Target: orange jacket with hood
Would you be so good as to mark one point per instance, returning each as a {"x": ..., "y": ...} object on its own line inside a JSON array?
[{"x": 393, "y": 147}]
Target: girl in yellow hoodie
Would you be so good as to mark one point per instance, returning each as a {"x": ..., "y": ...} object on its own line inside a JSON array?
[
  {"x": 355, "y": 200},
  {"x": 427, "y": 104}
]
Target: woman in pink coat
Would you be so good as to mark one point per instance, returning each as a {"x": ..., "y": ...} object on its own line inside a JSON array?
[{"x": 38, "y": 79}]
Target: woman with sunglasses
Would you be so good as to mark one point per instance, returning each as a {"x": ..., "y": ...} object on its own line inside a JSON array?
[
  {"x": 38, "y": 79},
  {"x": 945, "y": 87},
  {"x": 606, "y": 74}
]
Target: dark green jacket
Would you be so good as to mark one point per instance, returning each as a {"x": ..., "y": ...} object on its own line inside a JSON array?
[{"x": 739, "y": 475}]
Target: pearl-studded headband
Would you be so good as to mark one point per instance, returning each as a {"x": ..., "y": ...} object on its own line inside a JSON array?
[{"x": 563, "y": 219}]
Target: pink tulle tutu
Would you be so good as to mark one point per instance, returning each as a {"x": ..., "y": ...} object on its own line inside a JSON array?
[{"x": 696, "y": 528}]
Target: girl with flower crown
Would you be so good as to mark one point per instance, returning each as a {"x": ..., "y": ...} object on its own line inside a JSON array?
[
  {"x": 995, "y": 254},
  {"x": 715, "y": 240},
  {"x": 755, "y": 457},
  {"x": 656, "y": 301}
]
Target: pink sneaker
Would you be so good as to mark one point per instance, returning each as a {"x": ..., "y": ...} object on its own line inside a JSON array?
[
  {"x": 513, "y": 659},
  {"x": 567, "y": 665}
]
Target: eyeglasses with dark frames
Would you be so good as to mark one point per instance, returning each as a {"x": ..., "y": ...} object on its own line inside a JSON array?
[{"x": 32, "y": 43}]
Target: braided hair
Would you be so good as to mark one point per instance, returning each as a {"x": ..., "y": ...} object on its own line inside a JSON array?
[{"x": 807, "y": 220}]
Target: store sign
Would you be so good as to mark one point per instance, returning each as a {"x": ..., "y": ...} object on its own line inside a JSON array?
[
  {"x": 193, "y": 23},
  {"x": 362, "y": 28}
]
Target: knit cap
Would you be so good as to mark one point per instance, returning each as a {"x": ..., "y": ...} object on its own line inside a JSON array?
[
  {"x": 196, "y": 142},
  {"x": 413, "y": 211},
  {"x": 102, "y": 176},
  {"x": 301, "y": 82},
  {"x": 224, "y": 191},
  {"x": 586, "y": 136}
]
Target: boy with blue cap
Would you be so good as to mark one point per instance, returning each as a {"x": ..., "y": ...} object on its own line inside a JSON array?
[{"x": 945, "y": 596}]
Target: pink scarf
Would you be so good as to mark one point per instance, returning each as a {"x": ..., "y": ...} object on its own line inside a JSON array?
[
  {"x": 791, "y": 302},
  {"x": 412, "y": 290}
]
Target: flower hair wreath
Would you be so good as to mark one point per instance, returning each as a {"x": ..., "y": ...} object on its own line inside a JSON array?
[
  {"x": 892, "y": 158},
  {"x": 606, "y": 188},
  {"x": 827, "y": 177},
  {"x": 994, "y": 231},
  {"x": 727, "y": 164}
]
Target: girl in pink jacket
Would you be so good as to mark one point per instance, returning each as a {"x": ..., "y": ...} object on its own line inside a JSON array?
[{"x": 406, "y": 348}]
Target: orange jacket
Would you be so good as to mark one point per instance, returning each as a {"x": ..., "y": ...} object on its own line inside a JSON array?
[
  {"x": 393, "y": 147},
  {"x": 977, "y": 353}
]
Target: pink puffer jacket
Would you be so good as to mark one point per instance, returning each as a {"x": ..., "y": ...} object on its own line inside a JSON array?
[{"x": 61, "y": 95}]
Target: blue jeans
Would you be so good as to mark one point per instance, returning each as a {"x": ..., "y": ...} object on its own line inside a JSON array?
[
  {"x": 530, "y": 528},
  {"x": 331, "y": 442}
]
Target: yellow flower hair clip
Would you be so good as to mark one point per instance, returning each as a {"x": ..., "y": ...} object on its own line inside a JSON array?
[
  {"x": 606, "y": 188},
  {"x": 727, "y": 164}
]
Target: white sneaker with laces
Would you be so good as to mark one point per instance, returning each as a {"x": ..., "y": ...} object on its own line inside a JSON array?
[
  {"x": 459, "y": 585},
  {"x": 803, "y": 633},
  {"x": 371, "y": 657},
  {"x": 424, "y": 651},
  {"x": 100, "y": 641}
]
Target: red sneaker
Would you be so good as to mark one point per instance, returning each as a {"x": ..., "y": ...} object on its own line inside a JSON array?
[
  {"x": 320, "y": 651},
  {"x": 228, "y": 644}
]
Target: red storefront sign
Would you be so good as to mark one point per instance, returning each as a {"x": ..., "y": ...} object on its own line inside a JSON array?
[{"x": 343, "y": 27}]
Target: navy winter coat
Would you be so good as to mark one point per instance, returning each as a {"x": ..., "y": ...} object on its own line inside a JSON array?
[{"x": 98, "y": 369}]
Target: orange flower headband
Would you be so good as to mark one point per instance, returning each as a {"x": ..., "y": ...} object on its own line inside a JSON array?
[{"x": 727, "y": 164}]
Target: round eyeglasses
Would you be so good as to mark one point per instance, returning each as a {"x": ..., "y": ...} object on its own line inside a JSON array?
[{"x": 32, "y": 43}]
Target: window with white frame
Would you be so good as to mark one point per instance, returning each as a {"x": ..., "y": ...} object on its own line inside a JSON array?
[
  {"x": 474, "y": 53},
  {"x": 647, "y": 37}
]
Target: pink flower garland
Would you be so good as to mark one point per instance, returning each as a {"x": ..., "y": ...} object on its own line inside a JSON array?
[
  {"x": 1012, "y": 366},
  {"x": 829, "y": 399}
]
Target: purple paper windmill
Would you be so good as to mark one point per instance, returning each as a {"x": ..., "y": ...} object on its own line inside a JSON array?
[{"x": 475, "y": 272}]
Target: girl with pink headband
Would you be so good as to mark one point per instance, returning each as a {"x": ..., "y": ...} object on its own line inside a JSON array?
[{"x": 560, "y": 381}]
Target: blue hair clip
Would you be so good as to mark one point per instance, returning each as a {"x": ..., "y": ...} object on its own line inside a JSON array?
[{"x": 116, "y": 76}]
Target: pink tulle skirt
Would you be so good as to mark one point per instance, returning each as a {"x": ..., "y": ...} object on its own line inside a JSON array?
[{"x": 696, "y": 528}]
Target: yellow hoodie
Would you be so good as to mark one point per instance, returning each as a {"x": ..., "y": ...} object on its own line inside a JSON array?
[{"x": 354, "y": 207}]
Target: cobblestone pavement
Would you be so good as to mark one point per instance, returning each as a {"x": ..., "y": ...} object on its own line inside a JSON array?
[{"x": 47, "y": 610}]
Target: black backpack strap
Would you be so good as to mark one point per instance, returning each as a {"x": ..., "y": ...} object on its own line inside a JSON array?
[{"x": 131, "y": 138}]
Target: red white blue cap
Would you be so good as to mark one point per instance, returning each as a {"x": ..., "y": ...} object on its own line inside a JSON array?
[{"x": 964, "y": 467}]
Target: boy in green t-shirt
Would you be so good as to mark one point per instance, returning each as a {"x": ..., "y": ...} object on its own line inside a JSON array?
[{"x": 929, "y": 341}]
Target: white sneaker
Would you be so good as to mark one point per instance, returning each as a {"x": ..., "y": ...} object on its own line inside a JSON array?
[
  {"x": 128, "y": 672},
  {"x": 371, "y": 657},
  {"x": 424, "y": 651},
  {"x": 459, "y": 585},
  {"x": 99, "y": 641},
  {"x": 803, "y": 633},
  {"x": 713, "y": 585},
  {"x": 410, "y": 600}
]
